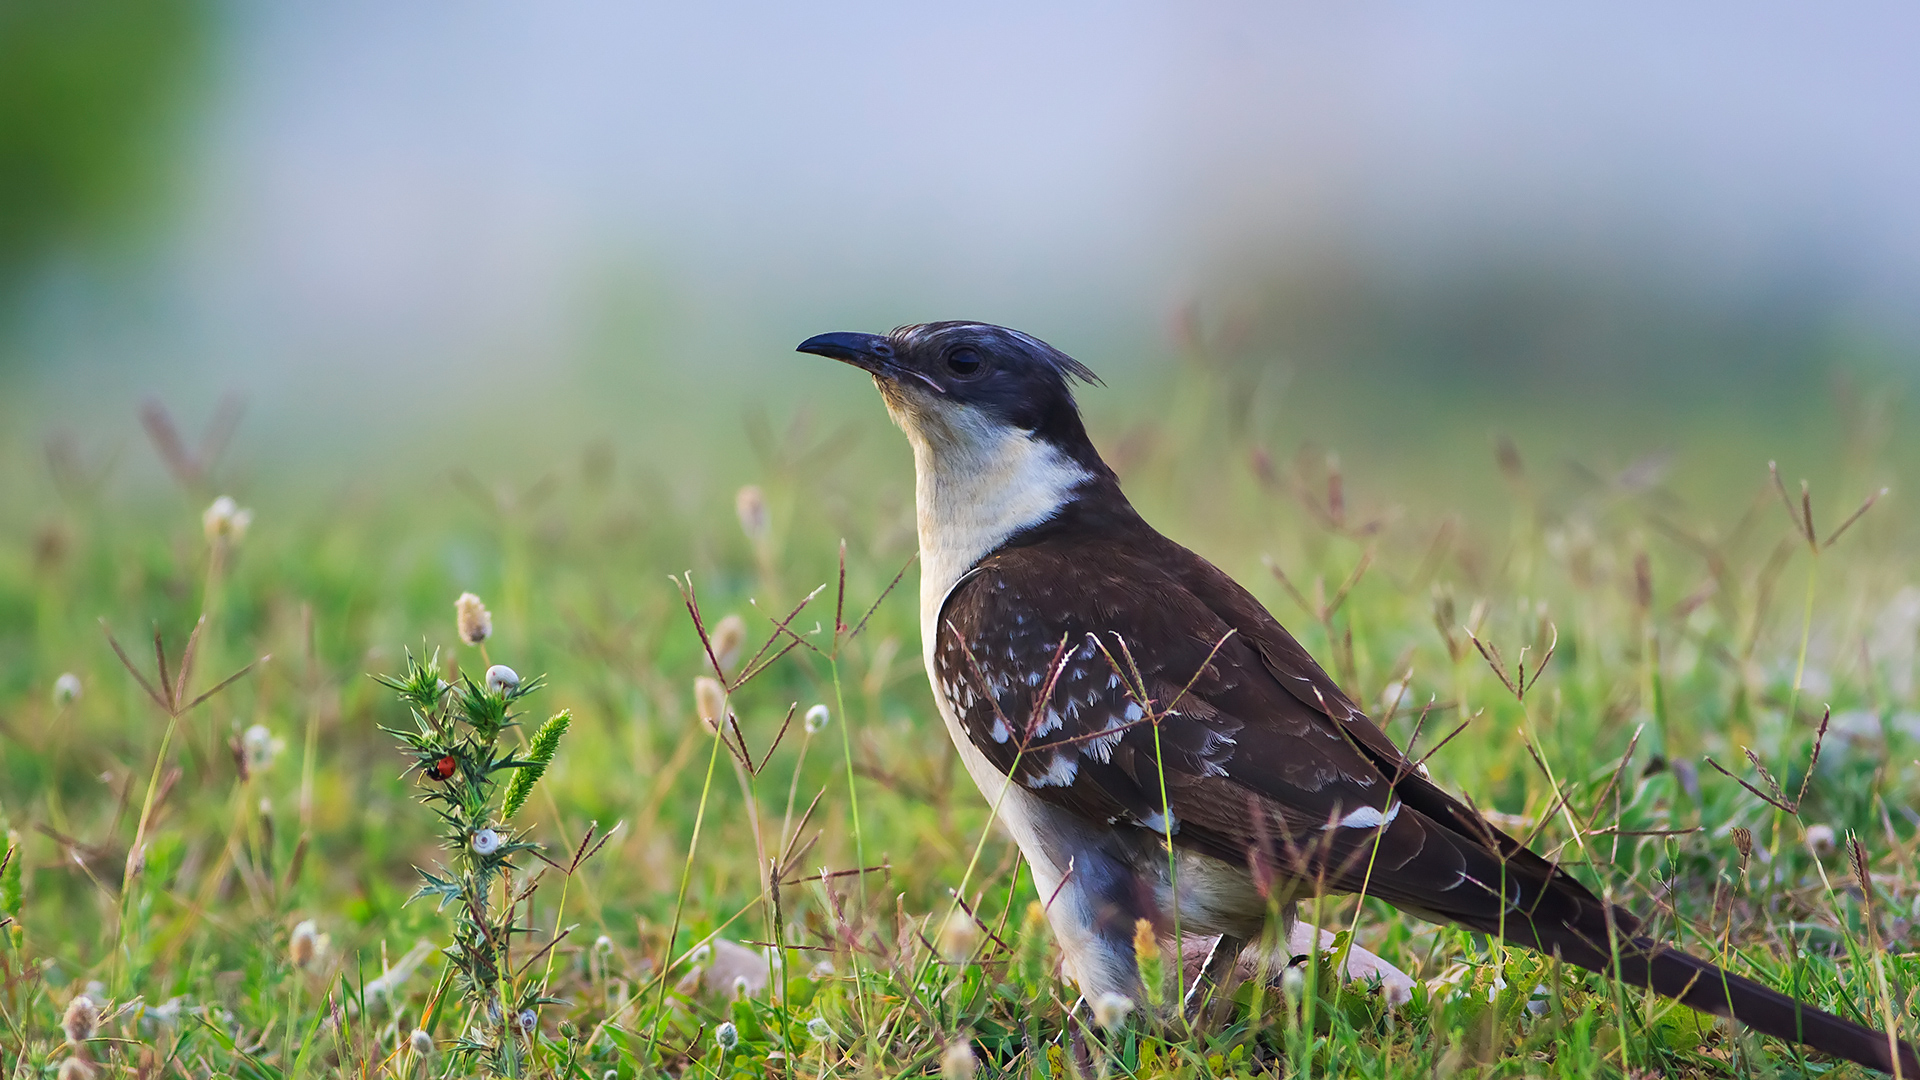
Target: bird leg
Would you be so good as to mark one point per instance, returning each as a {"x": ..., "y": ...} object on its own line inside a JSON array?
[{"x": 1214, "y": 975}]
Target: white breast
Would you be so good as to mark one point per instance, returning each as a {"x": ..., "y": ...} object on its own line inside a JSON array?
[{"x": 977, "y": 481}]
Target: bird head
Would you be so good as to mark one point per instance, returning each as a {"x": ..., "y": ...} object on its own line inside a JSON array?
[{"x": 956, "y": 386}]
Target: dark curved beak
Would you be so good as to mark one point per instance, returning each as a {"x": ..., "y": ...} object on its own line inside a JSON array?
[{"x": 869, "y": 352}]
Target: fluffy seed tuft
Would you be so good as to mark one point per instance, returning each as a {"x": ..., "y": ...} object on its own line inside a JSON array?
[
  {"x": 472, "y": 618},
  {"x": 959, "y": 1063},
  {"x": 80, "y": 1021},
  {"x": 1110, "y": 1010}
]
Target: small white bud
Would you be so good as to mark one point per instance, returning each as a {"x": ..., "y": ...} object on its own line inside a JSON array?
[
  {"x": 1820, "y": 839},
  {"x": 225, "y": 521},
  {"x": 472, "y": 618},
  {"x": 502, "y": 679},
  {"x": 603, "y": 944},
  {"x": 817, "y": 718},
  {"x": 958, "y": 1063},
  {"x": 740, "y": 987},
  {"x": 819, "y": 1030},
  {"x": 66, "y": 690},
  {"x": 420, "y": 1042},
  {"x": 1110, "y": 1010},
  {"x": 727, "y": 1036},
  {"x": 485, "y": 842},
  {"x": 750, "y": 505}
]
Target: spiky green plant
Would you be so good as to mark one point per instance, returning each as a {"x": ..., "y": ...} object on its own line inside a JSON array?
[{"x": 454, "y": 751}]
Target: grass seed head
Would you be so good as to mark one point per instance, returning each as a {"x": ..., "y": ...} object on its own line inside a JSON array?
[
  {"x": 304, "y": 943},
  {"x": 1110, "y": 1010},
  {"x": 958, "y": 1063},
  {"x": 1146, "y": 955},
  {"x": 80, "y": 1021},
  {"x": 76, "y": 1068},
  {"x": 66, "y": 690},
  {"x": 727, "y": 638},
  {"x": 816, "y": 720},
  {"x": 475, "y": 622},
  {"x": 710, "y": 701},
  {"x": 750, "y": 504},
  {"x": 958, "y": 937},
  {"x": 1820, "y": 839}
]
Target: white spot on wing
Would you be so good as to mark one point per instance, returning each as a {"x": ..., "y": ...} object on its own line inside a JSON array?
[
  {"x": 1164, "y": 824},
  {"x": 1000, "y": 732},
  {"x": 1060, "y": 772},
  {"x": 1366, "y": 817}
]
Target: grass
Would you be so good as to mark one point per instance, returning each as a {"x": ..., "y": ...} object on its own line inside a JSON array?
[{"x": 781, "y": 896}]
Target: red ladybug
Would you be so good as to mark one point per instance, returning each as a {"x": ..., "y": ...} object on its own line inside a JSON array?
[{"x": 442, "y": 769}]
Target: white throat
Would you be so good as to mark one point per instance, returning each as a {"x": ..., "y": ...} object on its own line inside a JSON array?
[{"x": 976, "y": 483}]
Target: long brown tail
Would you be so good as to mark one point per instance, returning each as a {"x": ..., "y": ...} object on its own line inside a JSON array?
[{"x": 1700, "y": 985}]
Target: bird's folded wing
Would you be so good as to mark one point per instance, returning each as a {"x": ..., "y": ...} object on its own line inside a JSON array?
[{"x": 1169, "y": 700}]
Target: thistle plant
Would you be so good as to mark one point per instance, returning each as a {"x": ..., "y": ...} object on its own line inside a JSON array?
[{"x": 454, "y": 746}]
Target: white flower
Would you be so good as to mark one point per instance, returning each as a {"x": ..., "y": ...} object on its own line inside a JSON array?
[
  {"x": 727, "y": 1036},
  {"x": 485, "y": 842},
  {"x": 1293, "y": 983},
  {"x": 819, "y": 1030},
  {"x": 472, "y": 618},
  {"x": 260, "y": 747},
  {"x": 225, "y": 521},
  {"x": 1110, "y": 1010},
  {"x": 958, "y": 1063},
  {"x": 502, "y": 679},
  {"x": 420, "y": 1042},
  {"x": 67, "y": 690},
  {"x": 817, "y": 718}
]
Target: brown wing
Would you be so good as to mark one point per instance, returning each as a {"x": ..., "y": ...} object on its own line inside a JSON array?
[{"x": 1240, "y": 764}]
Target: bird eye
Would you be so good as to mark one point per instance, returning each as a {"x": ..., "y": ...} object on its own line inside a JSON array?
[{"x": 964, "y": 363}]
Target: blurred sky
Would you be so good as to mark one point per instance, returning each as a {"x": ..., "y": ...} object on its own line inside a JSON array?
[{"x": 383, "y": 198}]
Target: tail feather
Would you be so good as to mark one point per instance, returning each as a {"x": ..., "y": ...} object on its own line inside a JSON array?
[{"x": 1693, "y": 982}]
